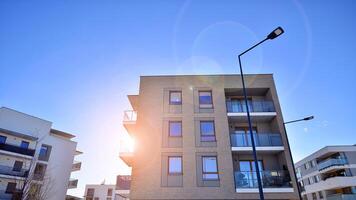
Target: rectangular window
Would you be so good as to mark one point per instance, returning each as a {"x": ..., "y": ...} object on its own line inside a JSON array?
[
  {"x": 2, "y": 139},
  {"x": 175, "y": 128},
  {"x": 10, "y": 188},
  {"x": 207, "y": 131},
  {"x": 175, "y": 97},
  {"x": 307, "y": 165},
  {"x": 321, "y": 196},
  {"x": 90, "y": 192},
  {"x": 175, "y": 165},
  {"x": 24, "y": 144},
  {"x": 298, "y": 173},
  {"x": 311, "y": 180},
  {"x": 205, "y": 99},
  {"x": 312, "y": 163},
  {"x": 17, "y": 166},
  {"x": 317, "y": 178},
  {"x": 109, "y": 192},
  {"x": 210, "y": 168},
  {"x": 314, "y": 196},
  {"x": 43, "y": 151}
]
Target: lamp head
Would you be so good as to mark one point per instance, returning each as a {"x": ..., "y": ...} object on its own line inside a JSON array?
[
  {"x": 308, "y": 118},
  {"x": 275, "y": 33}
]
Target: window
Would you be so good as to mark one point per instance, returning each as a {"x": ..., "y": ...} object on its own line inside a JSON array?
[
  {"x": 314, "y": 196},
  {"x": 96, "y": 198},
  {"x": 109, "y": 192},
  {"x": 298, "y": 173},
  {"x": 174, "y": 165},
  {"x": 90, "y": 192},
  {"x": 311, "y": 180},
  {"x": 175, "y": 97},
  {"x": 175, "y": 128},
  {"x": 307, "y": 165},
  {"x": 317, "y": 179},
  {"x": 24, "y": 144},
  {"x": 321, "y": 196},
  {"x": 210, "y": 168},
  {"x": 17, "y": 166},
  {"x": 43, "y": 151},
  {"x": 205, "y": 99},
  {"x": 207, "y": 131},
  {"x": 312, "y": 163},
  {"x": 10, "y": 188},
  {"x": 39, "y": 171},
  {"x": 2, "y": 139}
]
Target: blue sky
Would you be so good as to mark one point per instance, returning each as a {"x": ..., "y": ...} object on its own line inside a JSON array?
[{"x": 74, "y": 62}]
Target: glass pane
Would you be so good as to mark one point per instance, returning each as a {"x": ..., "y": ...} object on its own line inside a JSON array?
[
  {"x": 208, "y": 138},
  {"x": 205, "y": 98},
  {"x": 209, "y": 164},
  {"x": 207, "y": 128},
  {"x": 24, "y": 144},
  {"x": 175, "y": 165},
  {"x": 2, "y": 139},
  {"x": 210, "y": 176},
  {"x": 43, "y": 151},
  {"x": 175, "y": 97},
  {"x": 175, "y": 128}
]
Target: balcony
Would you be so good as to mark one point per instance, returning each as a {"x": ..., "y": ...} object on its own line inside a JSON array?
[
  {"x": 73, "y": 183},
  {"x": 9, "y": 171},
  {"x": 17, "y": 149},
  {"x": 129, "y": 120},
  {"x": 332, "y": 162},
  {"x": 263, "y": 142},
  {"x": 276, "y": 179},
  {"x": 126, "y": 151},
  {"x": 260, "y": 110},
  {"x": 76, "y": 166},
  {"x": 341, "y": 197}
]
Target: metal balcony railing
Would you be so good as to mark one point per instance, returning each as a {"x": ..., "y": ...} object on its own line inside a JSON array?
[
  {"x": 261, "y": 139},
  {"x": 332, "y": 162},
  {"x": 270, "y": 179},
  {"x": 130, "y": 116},
  {"x": 341, "y": 197},
  {"x": 7, "y": 170},
  {"x": 254, "y": 106},
  {"x": 17, "y": 149}
]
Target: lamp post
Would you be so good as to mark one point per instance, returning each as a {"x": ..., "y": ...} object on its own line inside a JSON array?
[
  {"x": 290, "y": 152},
  {"x": 275, "y": 33}
]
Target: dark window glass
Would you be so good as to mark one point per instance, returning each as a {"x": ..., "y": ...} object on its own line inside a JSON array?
[
  {"x": 2, "y": 139},
  {"x": 109, "y": 192},
  {"x": 175, "y": 97},
  {"x": 43, "y": 151},
  {"x": 205, "y": 99},
  {"x": 321, "y": 196},
  {"x": 174, "y": 164},
  {"x": 314, "y": 196},
  {"x": 24, "y": 144},
  {"x": 11, "y": 187},
  {"x": 175, "y": 128},
  {"x": 210, "y": 168},
  {"x": 17, "y": 166},
  {"x": 90, "y": 192},
  {"x": 207, "y": 131}
]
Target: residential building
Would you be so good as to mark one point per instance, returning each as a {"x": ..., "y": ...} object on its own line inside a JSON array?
[
  {"x": 192, "y": 140},
  {"x": 103, "y": 191},
  {"x": 99, "y": 192},
  {"x": 35, "y": 159},
  {"x": 329, "y": 173}
]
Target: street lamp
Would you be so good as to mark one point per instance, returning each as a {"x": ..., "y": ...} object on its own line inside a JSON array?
[
  {"x": 275, "y": 33},
  {"x": 290, "y": 152}
]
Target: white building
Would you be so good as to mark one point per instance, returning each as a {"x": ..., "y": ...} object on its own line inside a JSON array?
[{"x": 33, "y": 154}]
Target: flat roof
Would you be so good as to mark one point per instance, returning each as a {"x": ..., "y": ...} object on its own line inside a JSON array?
[
  {"x": 170, "y": 75},
  {"x": 62, "y": 133},
  {"x": 17, "y": 134}
]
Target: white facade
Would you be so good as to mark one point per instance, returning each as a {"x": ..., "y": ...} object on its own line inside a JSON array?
[
  {"x": 99, "y": 192},
  {"x": 55, "y": 162}
]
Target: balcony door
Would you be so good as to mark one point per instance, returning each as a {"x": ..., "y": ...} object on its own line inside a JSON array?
[
  {"x": 242, "y": 136},
  {"x": 238, "y": 104},
  {"x": 248, "y": 172}
]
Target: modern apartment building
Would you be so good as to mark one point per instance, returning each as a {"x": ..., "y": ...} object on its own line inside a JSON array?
[
  {"x": 192, "y": 140},
  {"x": 329, "y": 173},
  {"x": 35, "y": 159}
]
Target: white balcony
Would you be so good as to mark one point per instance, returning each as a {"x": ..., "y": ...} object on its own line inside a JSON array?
[
  {"x": 266, "y": 142},
  {"x": 76, "y": 166},
  {"x": 129, "y": 120},
  {"x": 331, "y": 183},
  {"x": 73, "y": 183}
]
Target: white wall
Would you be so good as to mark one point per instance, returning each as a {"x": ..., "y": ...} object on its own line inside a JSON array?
[{"x": 101, "y": 191}]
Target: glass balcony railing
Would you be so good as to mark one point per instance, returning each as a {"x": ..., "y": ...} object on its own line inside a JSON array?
[
  {"x": 130, "y": 116},
  {"x": 341, "y": 197},
  {"x": 7, "y": 170},
  {"x": 270, "y": 179},
  {"x": 254, "y": 106},
  {"x": 332, "y": 162},
  {"x": 17, "y": 149},
  {"x": 261, "y": 139}
]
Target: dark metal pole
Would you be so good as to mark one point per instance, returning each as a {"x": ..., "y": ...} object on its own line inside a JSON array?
[
  {"x": 291, "y": 157},
  {"x": 260, "y": 187}
]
